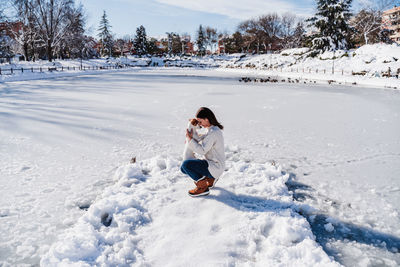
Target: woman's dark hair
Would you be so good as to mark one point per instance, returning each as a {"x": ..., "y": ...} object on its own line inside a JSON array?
[{"x": 206, "y": 113}]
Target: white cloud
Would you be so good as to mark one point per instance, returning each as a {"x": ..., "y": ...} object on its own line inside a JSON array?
[{"x": 240, "y": 9}]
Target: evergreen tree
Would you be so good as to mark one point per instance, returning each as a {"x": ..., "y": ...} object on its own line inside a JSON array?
[
  {"x": 201, "y": 41},
  {"x": 106, "y": 39},
  {"x": 140, "y": 42},
  {"x": 152, "y": 46},
  {"x": 234, "y": 43},
  {"x": 331, "y": 21}
]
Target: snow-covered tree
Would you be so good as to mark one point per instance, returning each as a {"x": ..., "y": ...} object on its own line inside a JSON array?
[
  {"x": 211, "y": 38},
  {"x": 140, "y": 41},
  {"x": 106, "y": 38},
  {"x": 201, "y": 41},
  {"x": 27, "y": 38},
  {"x": 73, "y": 43},
  {"x": 5, "y": 46},
  {"x": 331, "y": 21}
]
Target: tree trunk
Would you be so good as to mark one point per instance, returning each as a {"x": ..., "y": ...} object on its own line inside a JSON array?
[
  {"x": 26, "y": 52},
  {"x": 49, "y": 51}
]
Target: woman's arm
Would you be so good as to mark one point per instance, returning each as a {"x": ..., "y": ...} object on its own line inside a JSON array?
[{"x": 206, "y": 144}]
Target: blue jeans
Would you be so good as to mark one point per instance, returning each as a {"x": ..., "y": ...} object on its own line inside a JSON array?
[{"x": 196, "y": 168}]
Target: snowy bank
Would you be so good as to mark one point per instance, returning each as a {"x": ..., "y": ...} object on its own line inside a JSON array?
[
  {"x": 147, "y": 219},
  {"x": 369, "y": 65}
]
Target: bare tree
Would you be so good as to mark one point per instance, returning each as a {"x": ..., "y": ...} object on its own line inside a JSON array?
[
  {"x": 120, "y": 44},
  {"x": 185, "y": 40},
  {"x": 299, "y": 35},
  {"x": 271, "y": 28},
  {"x": 49, "y": 16},
  {"x": 2, "y": 16},
  {"x": 26, "y": 37},
  {"x": 367, "y": 24},
  {"x": 288, "y": 27},
  {"x": 252, "y": 36},
  {"x": 72, "y": 44},
  {"x": 380, "y": 5},
  {"x": 211, "y": 38},
  {"x": 368, "y": 21}
]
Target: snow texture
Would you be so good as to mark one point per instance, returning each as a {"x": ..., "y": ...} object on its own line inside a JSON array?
[
  {"x": 146, "y": 217},
  {"x": 301, "y": 158}
]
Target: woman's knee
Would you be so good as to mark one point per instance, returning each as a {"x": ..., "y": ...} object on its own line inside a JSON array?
[{"x": 184, "y": 166}]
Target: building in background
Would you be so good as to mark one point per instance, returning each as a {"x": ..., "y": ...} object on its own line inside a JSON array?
[{"x": 391, "y": 22}]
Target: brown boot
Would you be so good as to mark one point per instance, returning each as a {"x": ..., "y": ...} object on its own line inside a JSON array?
[
  {"x": 200, "y": 190},
  {"x": 211, "y": 182}
]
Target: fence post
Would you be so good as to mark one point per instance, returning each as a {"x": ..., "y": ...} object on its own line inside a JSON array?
[
  {"x": 0, "y": 71},
  {"x": 22, "y": 70},
  {"x": 324, "y": 71},
  {"x": 12, "y": 71},
  {"x": 62, "y": 68},
  {"x": 342, "y": 72},
  {"x": 32, "y": 70},
  {"x": 316, "y": 71},
  {"x": 40, "y": 69}
]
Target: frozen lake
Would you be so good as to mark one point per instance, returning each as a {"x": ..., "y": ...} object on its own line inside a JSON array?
[{"x": 62, "y": 139}]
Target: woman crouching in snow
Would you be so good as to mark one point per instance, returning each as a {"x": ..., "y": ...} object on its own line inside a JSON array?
[{"x": 205, "y": 172}]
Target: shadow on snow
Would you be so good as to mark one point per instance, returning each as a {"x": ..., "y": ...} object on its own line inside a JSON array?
[{"x": 343, "y": 231}]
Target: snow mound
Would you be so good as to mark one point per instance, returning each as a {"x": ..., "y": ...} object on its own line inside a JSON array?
[
  {"x": 146, "y": 217},
  {"x": 379, "y": 50}
]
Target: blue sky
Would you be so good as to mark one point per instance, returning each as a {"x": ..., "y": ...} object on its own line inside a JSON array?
[{"x": 184, "y": 16}]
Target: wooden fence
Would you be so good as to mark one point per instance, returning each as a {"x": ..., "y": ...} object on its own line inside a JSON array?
[
  {"x": 388, "y": 73},
  {"x": 54, "y": 68}
]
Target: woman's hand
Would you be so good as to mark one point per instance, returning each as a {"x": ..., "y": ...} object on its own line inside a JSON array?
[{"x": 189, "y": 134}]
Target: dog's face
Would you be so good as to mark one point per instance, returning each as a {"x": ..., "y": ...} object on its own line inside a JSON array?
[{"x": 203, "y": 122}]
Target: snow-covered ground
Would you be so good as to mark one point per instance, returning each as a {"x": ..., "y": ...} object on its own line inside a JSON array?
[
  {"x": 311, "y": 180},
  {"x": 376, "y": 65}
]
